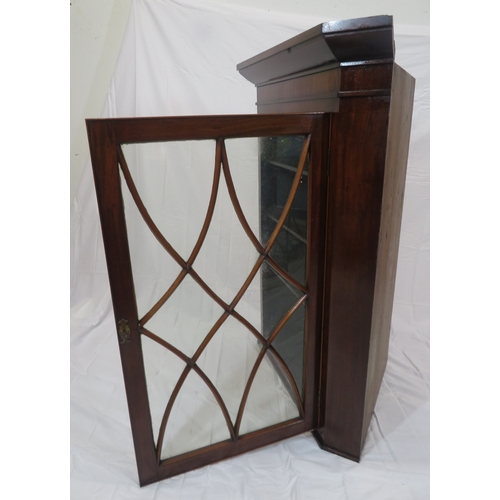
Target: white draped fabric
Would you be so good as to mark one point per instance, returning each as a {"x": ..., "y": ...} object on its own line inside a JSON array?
[{"x": 179, "y": 58}]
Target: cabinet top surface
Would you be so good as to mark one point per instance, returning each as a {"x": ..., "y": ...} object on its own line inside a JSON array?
[{"x": 329, "y": 43}]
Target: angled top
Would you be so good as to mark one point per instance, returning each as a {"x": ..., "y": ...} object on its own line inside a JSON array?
[{"x": 327, "y": 44}]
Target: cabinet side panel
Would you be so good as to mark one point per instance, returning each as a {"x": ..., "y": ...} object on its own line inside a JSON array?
[
  {"x": 392, "y": 205},
  {"x": 358, "y": 151}
]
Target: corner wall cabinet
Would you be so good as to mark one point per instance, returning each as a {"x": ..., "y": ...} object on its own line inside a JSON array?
[{"x": 252, "y": 259}]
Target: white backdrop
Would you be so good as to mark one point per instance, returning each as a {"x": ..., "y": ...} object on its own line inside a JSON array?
[{"x": 180, "y": 59}]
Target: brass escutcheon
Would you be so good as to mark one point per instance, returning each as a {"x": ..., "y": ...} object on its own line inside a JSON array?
[{"x": 123, "y": 331}]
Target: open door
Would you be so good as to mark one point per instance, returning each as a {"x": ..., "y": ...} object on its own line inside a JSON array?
[{"x": 213, "y": 228}]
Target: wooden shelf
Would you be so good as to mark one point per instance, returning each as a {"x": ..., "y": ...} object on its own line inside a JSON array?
[
  {"x": 286, "y": 167},
  {"x": 274, "y": 214}
]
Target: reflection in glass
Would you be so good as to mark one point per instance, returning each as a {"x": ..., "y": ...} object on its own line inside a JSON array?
[
  {"x": 279, "y": 162},
  {"x": 279, "y": 296},
  {"x": 290, "y": 345},
  {"x": 290, "y": 248}
]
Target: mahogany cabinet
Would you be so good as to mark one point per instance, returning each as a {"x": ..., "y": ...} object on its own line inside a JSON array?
[{"x": 318, "y": 209}]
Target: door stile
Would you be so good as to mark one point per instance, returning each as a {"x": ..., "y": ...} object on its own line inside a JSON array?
[
  {"x": 104, "y": 156},
  {"x": 317, "y": 206}
]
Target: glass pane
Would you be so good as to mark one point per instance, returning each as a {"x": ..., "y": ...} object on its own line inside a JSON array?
[
  {"x": 163, "y": 369},
  {"x": 186, "y": 317},
  {"x": 153, "y": 269},
  {"x": 164, "y": 173},
  {"x": 175, "y": 182},
  {"x": 290, "y": 345},
  {"x": 278, "y": 297},
  {"x": 270, "y": 400},
  {"x": 243, "y": 159},
  {"x": 196, "y": 419},
  {"x": 290, "y": 248},
  {"x": 228, "y": 361},
  {"x": 250, "y": 304},
  {"x": 227, "y": 255},
  {"x": 278, "y": 165}
]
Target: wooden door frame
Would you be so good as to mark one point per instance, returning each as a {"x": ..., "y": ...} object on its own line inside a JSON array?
[{"x": 105, "y": 138}]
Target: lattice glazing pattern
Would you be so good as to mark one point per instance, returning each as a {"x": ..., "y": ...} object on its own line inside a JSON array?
[{"x": 229, "y": 319}]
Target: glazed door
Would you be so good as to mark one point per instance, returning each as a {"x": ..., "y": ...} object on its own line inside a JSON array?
[{"x": 213, "y": 228}]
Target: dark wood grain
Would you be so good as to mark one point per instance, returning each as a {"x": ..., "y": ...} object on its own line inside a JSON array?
[
  {"x": 358, "y": 140},
  {"x": 312, "y": 92},
  {"x": 327, "y": 44},
  {"x": 105, "y": 137},
  {"x": 368, "y": 167},
  {"x": 105, "y": 167},
  {"x": 361, "y": 88},
  {"x": 186, "y": 128},
  {"x": 226, "y": 449},
  {"x": 366, "y": 79},
  {"x": 398, "y": 139},
  {"x": 358, "y": 150}
]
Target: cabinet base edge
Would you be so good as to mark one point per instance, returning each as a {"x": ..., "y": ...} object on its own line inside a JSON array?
[{"x": 325, "y": 447}]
